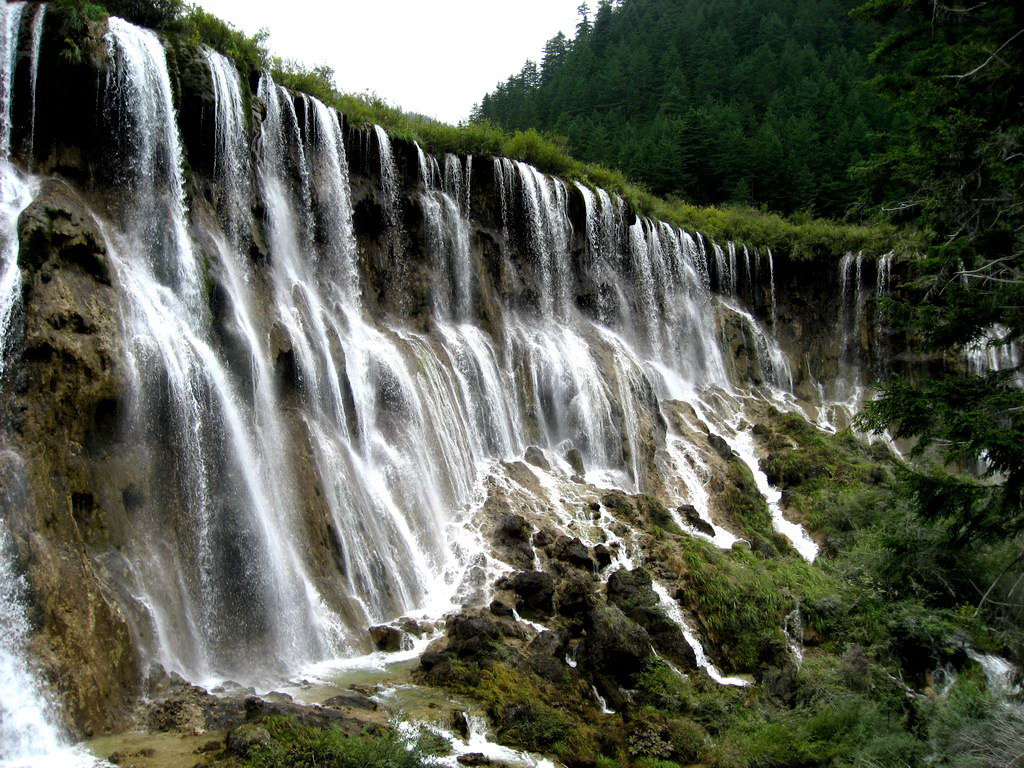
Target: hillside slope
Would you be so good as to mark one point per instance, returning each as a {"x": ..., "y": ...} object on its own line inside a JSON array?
[{"x": 741, "y": 101}]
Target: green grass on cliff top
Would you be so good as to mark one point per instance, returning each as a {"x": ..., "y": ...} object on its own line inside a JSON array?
[{"x": 800, "y": 236}]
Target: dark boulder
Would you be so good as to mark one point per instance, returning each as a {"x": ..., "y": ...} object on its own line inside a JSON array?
[
  {"x": 693, "y": 518},
  {"x": 575, "y": 598},
  {"x": 351, "y": 701},
  {"x": 535, "y": 456},
  {"x": 574, "y": 552},
  {"x": 389, "y": 639},
  {"x": 536, "y": 589},
  {"x": 722, "y": 448},
  {"x": 543, "y": 538},
  {"x": 575, "y": 459},
  {"x": 615, "y": 646},
  {"x": 603, "y": 556},
  {"x": 499, "y": 608},
  {"x": 512, "y": 539},
  {"x": 633, "y": 593}
]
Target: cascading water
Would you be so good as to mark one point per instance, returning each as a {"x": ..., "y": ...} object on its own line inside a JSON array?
[
  {"x": 29, "y": 736},
  {"x": 307, "y": 469}
]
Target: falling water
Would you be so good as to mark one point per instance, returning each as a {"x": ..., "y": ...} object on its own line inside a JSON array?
[
  {"x": 28, "y": 736},
  {"x": 262, "y": 401},
  {"x": 37, "y": 38}
]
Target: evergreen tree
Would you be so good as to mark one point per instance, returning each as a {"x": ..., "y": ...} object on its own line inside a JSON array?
[
  {"x": 637, "y": 68},
  {"x": 956, "y": 171}
]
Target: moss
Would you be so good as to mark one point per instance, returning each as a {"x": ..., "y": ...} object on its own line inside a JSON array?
[
  {"x": 532, "y": 713},
  {"x": 746, "y": 506},
  {"x": 743, "y": 599},
  {"x": 281, "y": 742}
]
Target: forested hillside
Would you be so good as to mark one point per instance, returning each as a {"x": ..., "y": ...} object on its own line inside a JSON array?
[{"x": 747, "y": 101}]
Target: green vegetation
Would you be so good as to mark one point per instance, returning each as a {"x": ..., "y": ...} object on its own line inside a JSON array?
[
  {"x": 530, "y": 712},
  {"x": 802, "y": 235},
  {"x": 282, "y": 742},
  {"x": 714, "y": 101},
  {"x": 957, "y": 174},
  {"x": 886, "y": 602}
]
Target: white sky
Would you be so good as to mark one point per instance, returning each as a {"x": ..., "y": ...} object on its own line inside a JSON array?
[{"x": 436, "y": 57}]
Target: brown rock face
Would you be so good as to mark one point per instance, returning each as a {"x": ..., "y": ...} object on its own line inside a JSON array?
[{"x": 63, "y": 402}]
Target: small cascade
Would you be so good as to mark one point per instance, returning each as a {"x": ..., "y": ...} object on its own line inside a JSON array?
[
  {"x": 883, "y": 288},
  {"x": 16, "y": 191},
  {"x": 773, "y": 365},
  {"x": 775, "y": 303},
  {"x": 851, "y": 306},
  {"x": 674, "y": 612},
  {"x": 389, "y": 186},
  {"x": 28, "y": 738},
  {"x": 743, "y": 444},
  {"x": 794, "y": 629},
  {"x": 992, "y": 353},
  {"x": 445, "y": 204},
  {"x": 38, "y": 20},
  {"x": 231, "y": 156},
  {"x": 999, "y": 673}
]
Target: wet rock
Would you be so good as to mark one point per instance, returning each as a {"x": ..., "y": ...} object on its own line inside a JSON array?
[
  {"x": 595, "y": 506},
  {"x": 549, "y": 643},
  {"x": 245, "y": 738},
  {"x": 536, "y": 589},
  {"x": 512, "y": 539},
  {"x": 474, "y": 758},
  {"x": 498, "y": 608},
  {"x": 603, "y": 556},
  {"x": 535, "y": 456},
  {"x": 575, "y": 459},
  {"x": 210, "y": 746},
  {"x": 741, "y": 545},
  {"x": 781, "y": 683},
  {"x": 458, "y": 721},
  {"x": 279, "y": 698},
  {"x": 543, "y": 538},
  {"x": 692, "y": 517},
  {"x": 575, "y": 598},
  {"x": 633, "y": 593},
  {"x": 574, "y": 552},
  {"x": 389, "y": 639},
  {"x": 351, "y": 701},
  {"x": 473, "y": 634},
  {"x": 308, "y": 716},
  {"x": 431, "y": 659},
  {"x": 415, "y": 628},
  {"x": 722, "y": 448}
]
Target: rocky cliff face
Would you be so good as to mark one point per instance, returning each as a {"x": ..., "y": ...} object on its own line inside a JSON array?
[{"x": 272, "y": 378}]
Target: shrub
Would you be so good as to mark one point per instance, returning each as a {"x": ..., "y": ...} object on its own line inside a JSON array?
[{"x": 292, "y": 745}]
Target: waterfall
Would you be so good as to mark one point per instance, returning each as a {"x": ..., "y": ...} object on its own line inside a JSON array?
[
  {"x": 238, "y": 594},
  {"x": 302, "y": 469},
  {"x": 16, "y": 191},
  {"x": 445, "y": 204},
  {"x": 28, "y": 737},
  {"x": 231, "y": 155},
  {"x": 775, "y": 304},
  {"x": 37, "y": 38}
]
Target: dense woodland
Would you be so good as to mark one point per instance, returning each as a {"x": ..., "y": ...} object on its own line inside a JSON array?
[{"x": 715, "y": 101}]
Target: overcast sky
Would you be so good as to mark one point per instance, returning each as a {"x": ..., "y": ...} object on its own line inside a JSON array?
[{"x": 436, "y": 57}]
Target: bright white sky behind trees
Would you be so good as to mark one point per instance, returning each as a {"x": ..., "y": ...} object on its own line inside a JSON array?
[{"x": 436, "y": 57}]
